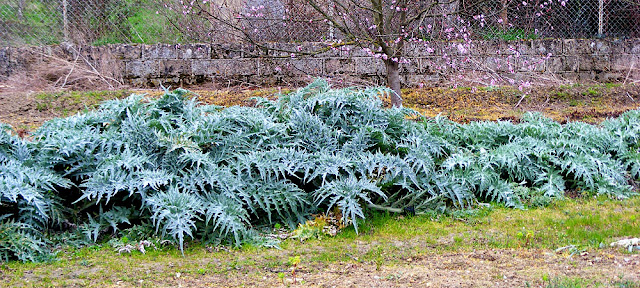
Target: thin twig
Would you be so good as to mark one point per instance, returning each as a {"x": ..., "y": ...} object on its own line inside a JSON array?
[
  {"x": 75, "y": 62},
  {"x": 628, "y": 73},
  {"x": 520, "y": 101}
]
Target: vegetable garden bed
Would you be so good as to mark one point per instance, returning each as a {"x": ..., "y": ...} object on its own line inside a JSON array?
[{"x": 218, "y": 175}]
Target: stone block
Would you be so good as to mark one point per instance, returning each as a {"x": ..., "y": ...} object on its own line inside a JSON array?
[
  {"x": 279, "y": 50},
  {"x": 160, "y": 51},
  {"x": 510, "y": 48},
  {"x": 374, "y": 79},
  {"x": 525, "y": 47},
  {"x": 594, "y": 63},
  {"x": 330, "y": 52},
  {"x": 227, "y": 51},
  {"x": 447, "y": 48},
  {"x": 412, "y": 66},
  {"x": 311, "y": 46},
  {"x": 617, "y": 46},
  {"x": 554, "y": 64},
  {"x": 533, "y": 63},
  {"x": 352, "y": 51},
  {"x": 547, "y": 46},
  {"x": 501, "y": 64},
  {"x": 430, "y": 65},
  {"x": 194, "y": 51},
  {"x": 126, "y": 51},
  {"x": 586, "y": 76},
  {"x": 138, "y": 82},
  {"x": 339, "y": 66},
  {"x": 370, "y": 66},
  {"x": 476, "y": 62},
  {"x": 267, "y": 67},
  {"x": 489, "y": 47},
  {"x": 5, "y": 61},
  {"x": 169, "y": 68},
  {"x": 441, "y": 47},
  {"x": 574, "y": 46},
  {"x": 600, "y": 47},
  {"x": 567, "y": 76},
  {"x": 423, "y": 67},
  {"x": 229, "y": 67},
  {"x": 570, "y": 64},
  {"x": 308, "y": 66},
  {"x": 633, "y": 46},
  {"x": 583, "y": 46},
  {"x": 299, "y": 67},
  {"x": 200, "y": 67},
  {"x": 284, "y": 50},
  {"x": 167, "y": 81},
  {"x": 625, "y": 62},
  {"x": 477, "y": 48},
  {"x": 93, "y": 54},
  {"x": 141, "y": 69}
]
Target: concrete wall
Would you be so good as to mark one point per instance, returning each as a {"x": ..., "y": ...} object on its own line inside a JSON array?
[{"x": 430, "y": 63}]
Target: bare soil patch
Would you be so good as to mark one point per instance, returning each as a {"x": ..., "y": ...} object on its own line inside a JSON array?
[
  {"x": 481, "y": 268},
  {"x": 589, "y": 103}
]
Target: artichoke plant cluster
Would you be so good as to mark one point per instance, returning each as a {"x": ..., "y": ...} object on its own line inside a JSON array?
[{"x": 192, "y": 171}]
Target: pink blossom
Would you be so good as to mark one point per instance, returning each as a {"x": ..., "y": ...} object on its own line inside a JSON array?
[{"x": 461, "y": 48}]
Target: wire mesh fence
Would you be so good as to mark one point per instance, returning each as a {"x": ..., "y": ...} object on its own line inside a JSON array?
[
  {"x": 563, "y": 18},
  {"x": 43, "y": 22}
]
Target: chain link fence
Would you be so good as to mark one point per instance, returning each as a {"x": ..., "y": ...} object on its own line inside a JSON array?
[
  {"x": 557, "y": 18},
  {"x": 44, "y": 22}
]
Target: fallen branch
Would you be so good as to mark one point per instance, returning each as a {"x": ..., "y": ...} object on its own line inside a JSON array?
[{"x": 92, "y": 71}]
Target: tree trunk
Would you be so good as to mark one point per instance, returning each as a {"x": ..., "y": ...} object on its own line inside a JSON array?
[{"x": 393, "y": 81}]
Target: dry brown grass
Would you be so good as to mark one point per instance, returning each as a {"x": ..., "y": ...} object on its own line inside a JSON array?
[{"x": 52, "y": 71}]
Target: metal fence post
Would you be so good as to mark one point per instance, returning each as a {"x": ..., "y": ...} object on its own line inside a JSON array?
[
  {"x": 65, "y": 20},
  {"x": 600, "y": 18}
]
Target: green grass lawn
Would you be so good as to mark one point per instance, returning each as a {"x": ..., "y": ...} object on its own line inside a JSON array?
[{"x": 586, "y": 226}]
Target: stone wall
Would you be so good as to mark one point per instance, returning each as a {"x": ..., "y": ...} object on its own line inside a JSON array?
[{"x": 429, "y": 64}]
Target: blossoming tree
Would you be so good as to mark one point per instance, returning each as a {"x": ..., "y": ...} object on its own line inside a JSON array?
[{"x": 381, "y": 28}]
